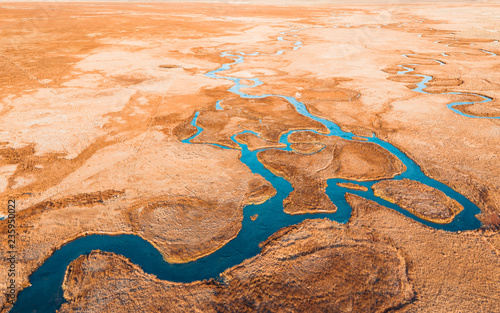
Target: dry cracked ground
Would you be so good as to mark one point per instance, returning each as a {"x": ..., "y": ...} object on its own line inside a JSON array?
[{"x": 95, "y": 100}]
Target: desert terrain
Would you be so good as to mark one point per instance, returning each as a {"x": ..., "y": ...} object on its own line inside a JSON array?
[{"x": 316, "y": 156}]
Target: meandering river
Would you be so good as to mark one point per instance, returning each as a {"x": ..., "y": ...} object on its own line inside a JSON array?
[
  {"x": 45, "y": 294},
  {"x": 452, "y": 105}
]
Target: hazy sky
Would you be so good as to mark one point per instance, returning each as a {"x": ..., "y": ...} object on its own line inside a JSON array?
[{"x": 275, "y": 1}]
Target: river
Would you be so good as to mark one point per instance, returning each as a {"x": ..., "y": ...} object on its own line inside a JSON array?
[{"x": 45, "y": 294}]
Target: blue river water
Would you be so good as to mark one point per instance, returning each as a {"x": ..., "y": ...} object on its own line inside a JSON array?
[
  {"x": 45, "y": 294},
  {"x": 426, "y": 78}
]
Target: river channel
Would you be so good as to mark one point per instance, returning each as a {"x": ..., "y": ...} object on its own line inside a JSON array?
[{"x": 45, "y": 294}]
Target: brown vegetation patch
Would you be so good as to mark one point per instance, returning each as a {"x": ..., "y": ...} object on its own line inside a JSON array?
[
  {"x": 169, "y": 66},
  {"x": 445, "y": 82},
  {"x": 173, "y": 114},
  {"x": 219, "y": 127},
  {"x": 359, "y": 138},
  {"x": 442, "y": 85},
  {"x": 82, "y": 200},
  {"x": 339, "y": 159},
  {"x": 329, "y": 93},
  {"x": 269, "y": 117},
  {"x": 462, "y": 267},
  {"x": 424, "y": 201},
  {"x": 405, "y": 78},
  {"x": 490, "y": 221},
  {"x": 352, "y": 186},
  {"x": 393, "y": 70},
  {"x": 307, "y": 148},
  {"x": 44, "y": 170},
  {"x": 256, "y": 143},
  {"x": 318, "y": 266},
  {"x": 168, "y": 223},
  {"x": 314, "y": 266},
  {"x": 246, "y": 82},
  {"x": 184, "y": 130},
  {"x": 487, "y": 109}
]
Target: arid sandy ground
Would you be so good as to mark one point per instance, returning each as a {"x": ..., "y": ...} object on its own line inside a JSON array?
[{"x": 96, "y": 98}]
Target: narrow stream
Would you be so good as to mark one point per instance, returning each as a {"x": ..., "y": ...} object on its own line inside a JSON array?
[
  {"x": 45, "y": 294},
  {"x": 426, "y": 78}
]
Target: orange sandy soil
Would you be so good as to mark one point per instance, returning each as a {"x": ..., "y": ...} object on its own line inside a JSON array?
[
  {"x": 95, "y": 99},
  {"x": 379, "y": 261}
]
